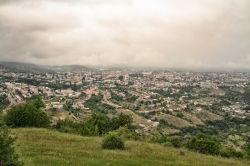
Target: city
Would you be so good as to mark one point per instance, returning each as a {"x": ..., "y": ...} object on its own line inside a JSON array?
[
  {"x": 124, "y": 83},
  {"x": 164, "y": 102}
]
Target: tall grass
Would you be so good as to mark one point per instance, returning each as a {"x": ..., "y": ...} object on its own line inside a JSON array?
[{"x": 43, "y": 147}]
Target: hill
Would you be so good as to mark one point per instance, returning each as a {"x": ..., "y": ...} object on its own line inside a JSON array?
[
  {"x": 32, "y": 68},
  {"x": 40, "y": 147},
  {"x": 72, "y": 68},
  {"x": 24, "y": 67}
]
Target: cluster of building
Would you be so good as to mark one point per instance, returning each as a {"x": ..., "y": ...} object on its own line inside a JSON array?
[{"x": 186, "y": 96}]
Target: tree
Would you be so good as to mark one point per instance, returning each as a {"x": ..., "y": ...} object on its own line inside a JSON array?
[
  {"x": 180, "y": 115},
  {"x": 37, "y": 101},
  {"x": 4, "y": 102},
  {"x": 8, "y": 157},
  {"x": 26, "y": 115},
  {"x": 97, "y": 124},
  {"x": 204, "y": 144},
  {"x": 122, "y": 120},
  {"x": 121, "y": 78}
]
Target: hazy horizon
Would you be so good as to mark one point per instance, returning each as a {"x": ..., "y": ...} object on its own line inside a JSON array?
[{"x": 180, "y": 34}]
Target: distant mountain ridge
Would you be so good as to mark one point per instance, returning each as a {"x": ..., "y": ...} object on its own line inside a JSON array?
[
  {"x": 24, "y": 67},
  {"x": 32, "y": 68},
  {"x": 71, "y": 68}
]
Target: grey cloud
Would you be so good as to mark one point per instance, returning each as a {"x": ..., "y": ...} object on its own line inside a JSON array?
[{"x": 199, "y": 34}]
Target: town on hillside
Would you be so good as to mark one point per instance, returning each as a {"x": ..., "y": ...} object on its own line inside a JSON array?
[{"x": 164, "y": 101}]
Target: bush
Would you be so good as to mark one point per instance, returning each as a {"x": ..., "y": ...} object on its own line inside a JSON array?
[
  {"x": 247, "y": 149},
  {"x": 230, "y": 152},
  {"x": 176, "y": 142},
  {"x": 37, "y": 101},
  {"x": 97, "y": 124},
  {"x": 112, "y": 141},
  {"x": 1, "y": 119},
  {"x": 160, "y": 139},
  {"x": 26, "y": 115},
  {"x": 67, "y": 126},
  {"x": 204, "y": 144},
  {"x": 126, "y": 133},
  {"x": 4, "y": 102},
  {"x": 100, "y": 124},
  {"x": 122, "y": 120},
  {"x": 180, "y": 115},
  {"x": 95, "y": 104},
  {"x": 8, "y": 157}
]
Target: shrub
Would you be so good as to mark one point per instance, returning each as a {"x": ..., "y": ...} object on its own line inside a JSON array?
[
  {"x": 230, "y": 152},
  {"x": 100, "y": 124},
  {"x": 37, "y": 101},
  {"x": 176, "y": 142},
  {"x": 126, "y": 133},
  {"x": 1, "y": 120},
  {"x": 4, "y": 102},
  {"x": 204, "y": 144},
  {"x": 247, "y": 149},
  {"x": 8, "y": 157},
  {"x": 157, "y": 138},
  {"x": 122, "y": 120},
  {"x": 97, "y": 124},
  {"x": 67, "y": 126},
  {"x": 112, "y": 141},
  {"x": 26, "y": 115},
  {"x": 95, "y": 104},
  {"x": 180, "y": 115}
]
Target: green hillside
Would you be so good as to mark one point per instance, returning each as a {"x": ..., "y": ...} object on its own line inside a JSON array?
[{"x": 51, "y": 148}]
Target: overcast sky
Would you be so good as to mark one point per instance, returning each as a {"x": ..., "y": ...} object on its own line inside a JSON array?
[{"x": 191, "y": 34}]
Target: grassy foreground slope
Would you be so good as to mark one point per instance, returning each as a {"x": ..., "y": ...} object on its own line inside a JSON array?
[{"x": 51, "y": 148}]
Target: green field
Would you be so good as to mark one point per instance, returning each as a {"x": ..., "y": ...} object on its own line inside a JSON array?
[{"x": 50, "y": 148}]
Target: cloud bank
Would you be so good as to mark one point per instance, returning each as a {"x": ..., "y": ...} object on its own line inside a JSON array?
[{"x": 189, "y": 34}]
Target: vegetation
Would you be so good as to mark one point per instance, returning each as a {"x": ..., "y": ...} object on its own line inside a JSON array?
[
  {"x": 4, "y": 102},
  {"x": 247, "y": 95},
  {"x": 204, "y": 144},
  {"x": 230, "y": 152},
  {"x": 43, "y": 147},
  {"x": 176, "y": 142},
  {"x": 121, "y": 78},
  {"x": 8, "y": 157},
  {"x": 116, "y": 97},
  {"x": 29, "y": 114},
  {"x": 219, "y": 128},
  {"x": 122, "y": 120},
  {"x": 97, "y": 124},
  {"x": 1, "y": 120},
  {"x": 247, "y": 149},
  {"x": 112, "y": 141},
  {"x": 67, "y": 126},
  {"x": 169, "y": 93},
  {"x": 95, "y": 104},
  {"x": 37, "y": 101},
  {"x": 128, "y": 134}
]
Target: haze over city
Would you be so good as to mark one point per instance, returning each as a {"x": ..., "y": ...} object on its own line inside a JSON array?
[
  {"x": 124, "y": 82},
  {"x": 184, "y": 34}
]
